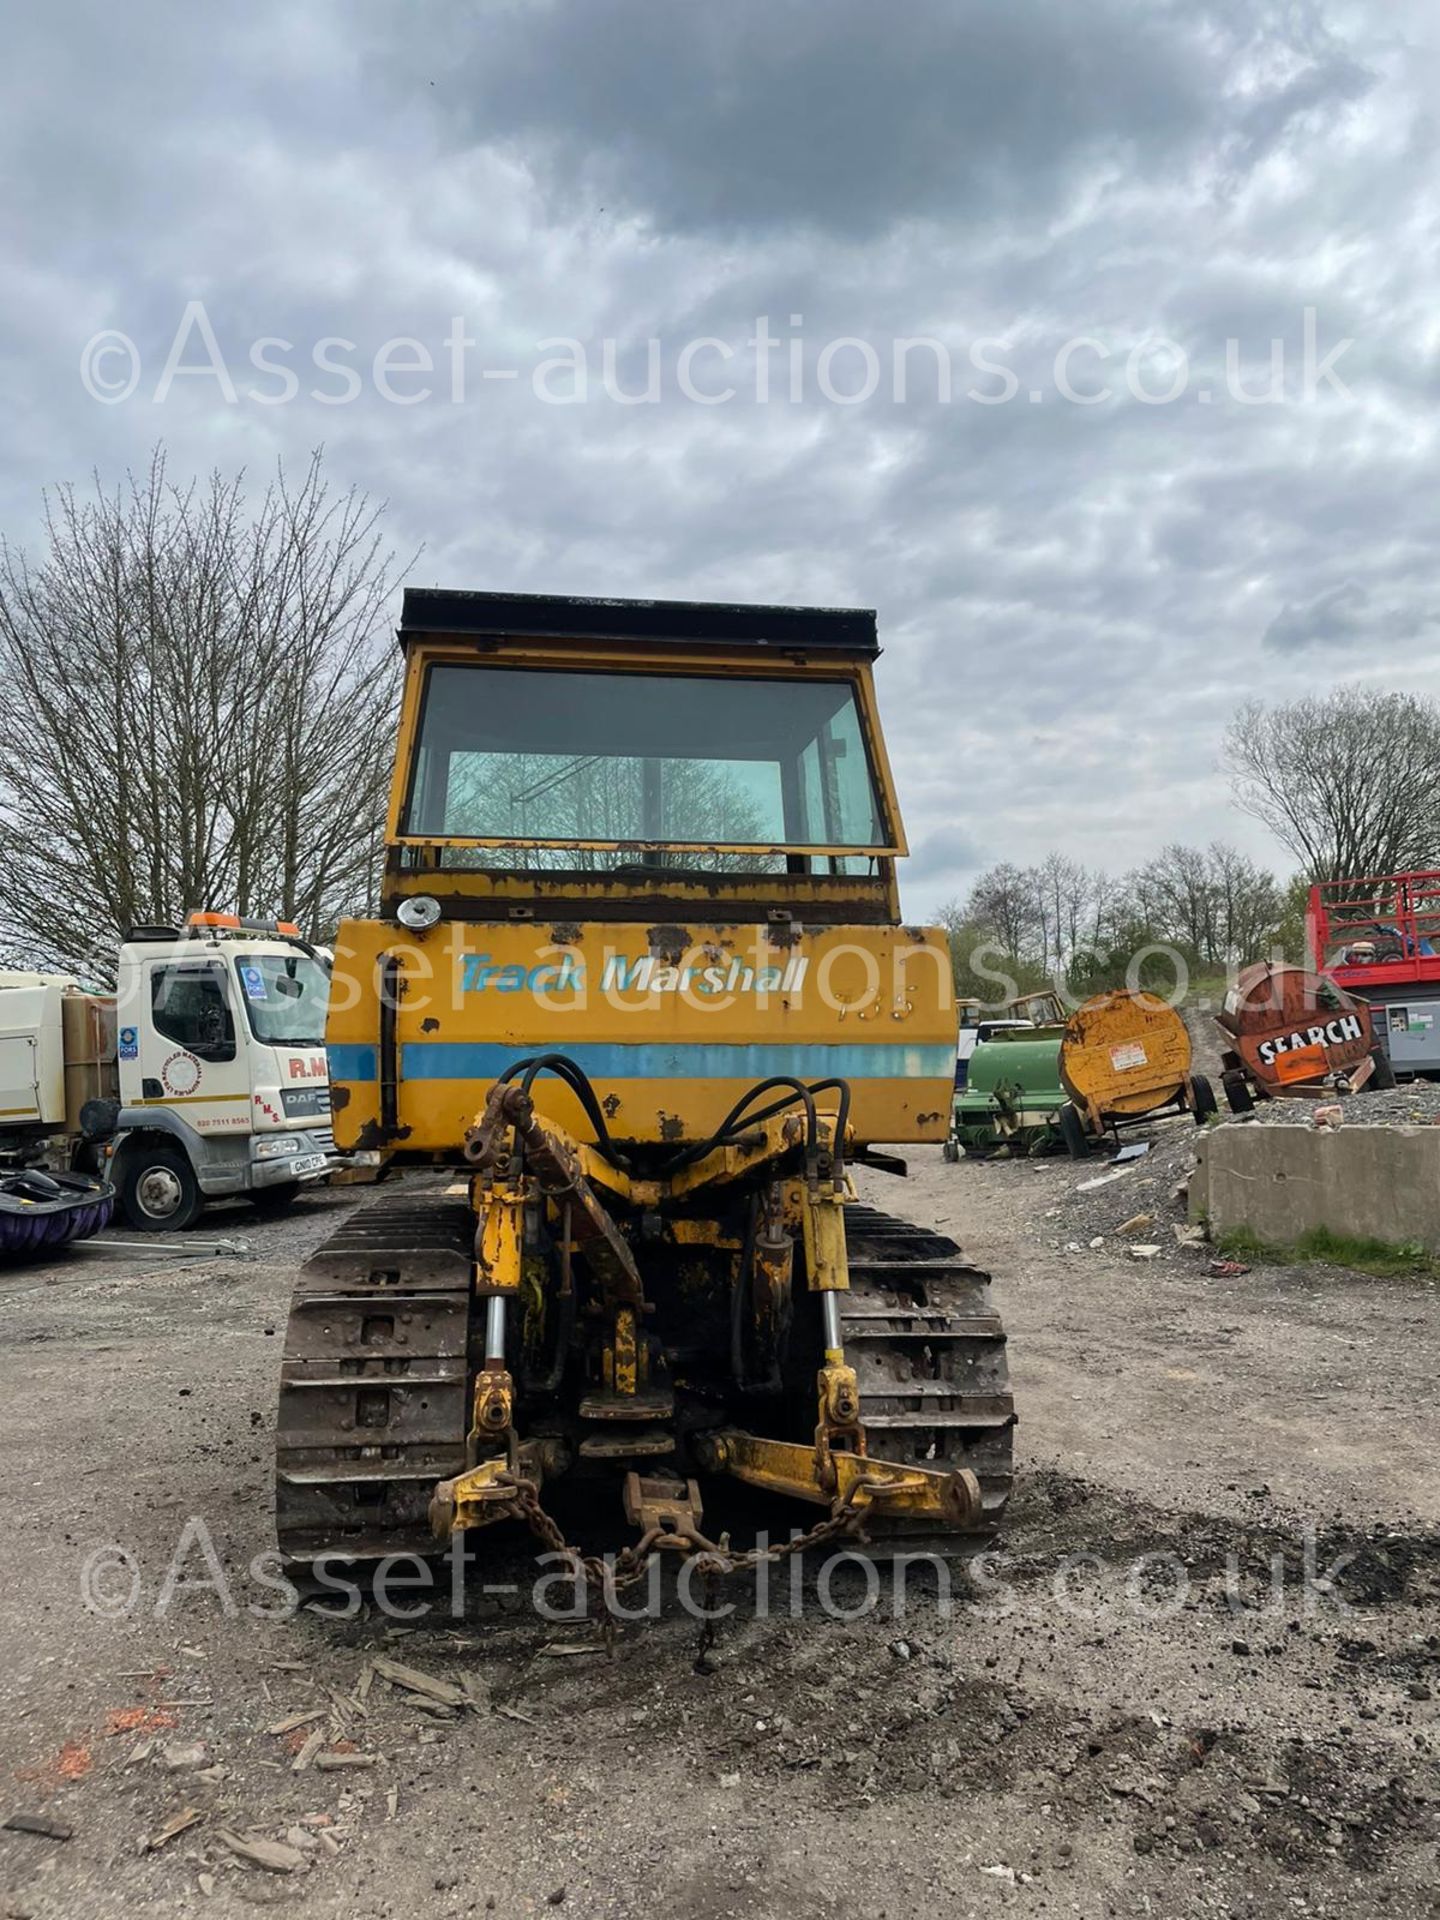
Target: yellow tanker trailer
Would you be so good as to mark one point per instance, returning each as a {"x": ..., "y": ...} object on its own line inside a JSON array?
[{"x": 640, "y": 983}]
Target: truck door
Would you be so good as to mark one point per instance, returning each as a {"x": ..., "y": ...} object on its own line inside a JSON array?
[{"x": 189, "y": 1054}]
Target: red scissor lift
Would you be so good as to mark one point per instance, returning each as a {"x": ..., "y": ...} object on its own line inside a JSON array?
[{"x": 1379, "y": 937}]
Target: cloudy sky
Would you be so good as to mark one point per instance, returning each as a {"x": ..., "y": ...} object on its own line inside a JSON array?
[{"x": 1075, "y": 209}]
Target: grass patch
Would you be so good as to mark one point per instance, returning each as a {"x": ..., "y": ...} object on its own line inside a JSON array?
[
  {"x": 1382, "y": 1259},
  {"x": 1206, "y": 990}
]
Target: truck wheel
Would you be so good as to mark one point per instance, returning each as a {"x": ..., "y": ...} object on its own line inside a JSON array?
[
  {"x": 274, "y": 1199},
  {"x": 1203, "y": 1094},
  {"x": 1383, "y": 1077},
  {"x": 1072, "y": 1132},
  {"x": 159, "y": 1191}
]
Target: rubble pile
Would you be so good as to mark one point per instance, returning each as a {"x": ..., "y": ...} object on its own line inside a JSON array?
[
  {"x": 1414, "y": 1105},
  {"x": 1138, "y": 1204}
]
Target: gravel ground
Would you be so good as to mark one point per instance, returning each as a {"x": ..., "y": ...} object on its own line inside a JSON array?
[
  {"x": 1417, "y": 1104},
  {"x": 1139, "y": 1707},
  {"x": 1098, "y": 1197}
]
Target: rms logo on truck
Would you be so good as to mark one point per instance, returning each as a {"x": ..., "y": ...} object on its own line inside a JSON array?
[{"x": 1334, "y": 1033}]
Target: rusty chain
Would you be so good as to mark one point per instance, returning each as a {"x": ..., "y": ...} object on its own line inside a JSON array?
[{"x": 713, "y": 1559}]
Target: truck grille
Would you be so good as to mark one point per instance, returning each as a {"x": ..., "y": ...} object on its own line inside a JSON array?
[{"x": 300, "y": 1103}]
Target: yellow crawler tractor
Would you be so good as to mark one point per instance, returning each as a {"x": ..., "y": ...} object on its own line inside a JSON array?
[{"x": 640, "y": 986}]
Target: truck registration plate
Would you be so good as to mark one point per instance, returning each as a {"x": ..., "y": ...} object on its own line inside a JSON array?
[{"x": 309, "y": 1163}]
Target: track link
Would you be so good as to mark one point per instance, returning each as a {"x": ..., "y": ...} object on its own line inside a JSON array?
[
  {"x": 374, "y": 1401},
  {"x": 928, "y": 1350}
]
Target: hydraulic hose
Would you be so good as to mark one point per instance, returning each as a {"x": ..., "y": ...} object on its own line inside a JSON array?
[
  {"x": 742, "y": 1115},
  {"x": 739, "y": 1116},
  {"x": 528, "y": 1071}
]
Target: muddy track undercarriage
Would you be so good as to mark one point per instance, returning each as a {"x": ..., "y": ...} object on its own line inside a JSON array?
[{"x": 400, "y": 1377}]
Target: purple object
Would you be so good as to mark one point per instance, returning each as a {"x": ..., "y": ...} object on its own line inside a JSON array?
[{"x": 40, "y": 1211}]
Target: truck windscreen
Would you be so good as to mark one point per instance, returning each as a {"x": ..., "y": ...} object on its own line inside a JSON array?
[
  {"x": 285, "y": 996},
  {"x": 567, "y": 757}
]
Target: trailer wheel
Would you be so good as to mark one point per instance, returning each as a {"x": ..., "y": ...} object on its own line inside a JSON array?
[
  {"x": 1383, "y": 1077},
  {"x": 1072, "y": 1132},
  {"x": 158, "y": 1190},
  {"x": 1238, "y": 1096},
  {"x": 1203, "y": 1095}
]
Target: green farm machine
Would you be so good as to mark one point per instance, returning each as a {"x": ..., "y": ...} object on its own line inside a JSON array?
[{"x": 1008, "y": 1094}]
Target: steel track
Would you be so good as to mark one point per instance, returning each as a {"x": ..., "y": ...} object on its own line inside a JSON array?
[{"x": 375, "y": 1397}]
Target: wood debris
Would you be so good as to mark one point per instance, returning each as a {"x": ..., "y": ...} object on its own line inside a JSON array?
[
  {"x": 273, "y": 1855},
  {"x": 332, "y": 1762},
  {"x": 294, "y": 1720},
  {"x": 413, "y": 1680},
  {"x": 346, "y": 1705},
  {"x": 177, "y": 1823},
  {"x": 313, "y": 1743}
]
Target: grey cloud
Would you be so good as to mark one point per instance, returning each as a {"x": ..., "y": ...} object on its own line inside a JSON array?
[
  {"x": 851, "y": 116},
  {"x": 1071, "y": 600},
  {"x": 1341, "y": 616},
  {"x": 942, "y": 864}
]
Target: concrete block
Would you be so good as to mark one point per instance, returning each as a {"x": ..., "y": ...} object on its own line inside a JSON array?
[{"x": 1374, "y": 1183}]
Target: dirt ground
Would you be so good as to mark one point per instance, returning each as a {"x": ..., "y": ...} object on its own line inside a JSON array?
[{"x": 1229, "y": 1708}]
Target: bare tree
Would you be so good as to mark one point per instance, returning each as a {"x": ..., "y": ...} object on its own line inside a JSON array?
[
  {"x": 1212, "y": 901},
  {"x": 196, "y": 709},
  {"x": 1070, "y": 896},
  {"x": 1349, "y": 782},
  {"x": 1060, "y": 920},
  {"x": 1008, "y": 898},
  {"x": 1172, "y": 898},
  {"x": 1249, "y": 904}
]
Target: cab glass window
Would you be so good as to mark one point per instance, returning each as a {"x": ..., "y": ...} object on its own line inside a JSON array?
[
  {"x": 188, "y": 1005},
  {"x": 563, "y": 756}
]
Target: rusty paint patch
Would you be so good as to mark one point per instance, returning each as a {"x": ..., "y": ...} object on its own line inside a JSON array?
[
  {"x": 339, "y": 1096},
  {"x": 567, "y": 933},
  {"x": 373, "y": 1136},
  {"x": 611, "y": 1105},
  {"x": 430, "y": 1025},
  {"x": 672, "y": 1127},
  {"x": 925, "y": 1119},
  {"x": 669, "y": 944}
]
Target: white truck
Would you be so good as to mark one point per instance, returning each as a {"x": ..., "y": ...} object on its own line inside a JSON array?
[{"x": 203, "y": 1076}]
